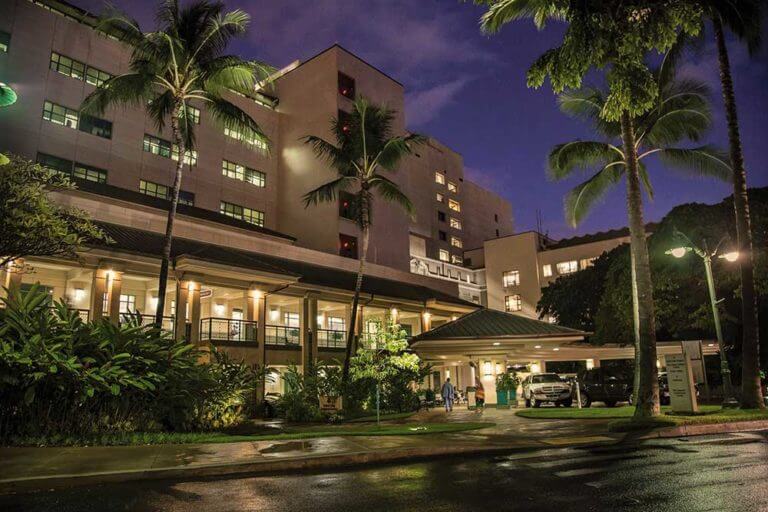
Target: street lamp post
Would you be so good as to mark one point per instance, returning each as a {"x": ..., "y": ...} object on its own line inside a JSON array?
[{"x": 705, "y": 254}]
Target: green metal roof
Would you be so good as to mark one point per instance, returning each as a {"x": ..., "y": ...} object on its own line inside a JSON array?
[{"x": 489, "y": 323}]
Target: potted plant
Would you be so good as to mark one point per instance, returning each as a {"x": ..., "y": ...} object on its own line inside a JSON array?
[{"x": 506, "y": 388}]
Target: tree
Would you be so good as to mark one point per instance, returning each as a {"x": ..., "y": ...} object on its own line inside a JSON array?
[
  {"x": 616, "y": 36},
  {"x": 743, "y": 19},
  {"x": 33, "y": 224},
  {"x": 182, "y": 62},
  {"x": 365, "y": 147}
]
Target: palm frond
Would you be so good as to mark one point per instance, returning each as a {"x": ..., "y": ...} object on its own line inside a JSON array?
[
  {"x": 328, "y": 192},
  {"x": 587, "y": 104},
  {"x": 396, "y": 148},
  {"x": 390, "y": 192},
  {"x": 581, "y": 199},
  {"x": 219, "y": 31},
  {"x": 334, "y": 155},
  {"x": 230, "y": 72},
  {"x": 501, "y": 12},
  {"x": 704, "y": 161},
  {"x": 159, "y": 108},
  {"x": 131, "y": 89},
  {"x": 579, "y": 154},
  {"x": 229, "y": 116},
  {"x": 645, "y": 179}
]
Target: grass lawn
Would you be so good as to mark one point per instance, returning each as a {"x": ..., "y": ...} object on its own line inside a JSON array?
[
  {"x": 387, "y": 417},
  {"x": 623, "y": 421},
  {"x": 288, "y": 433}
]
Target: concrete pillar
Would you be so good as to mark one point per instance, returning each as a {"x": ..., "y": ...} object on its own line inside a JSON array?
[
  {"x": 114, "y": 289},
  {"x": 182, "y": 299},
  {"x": 308, "y": 330},
  {"x": 106, "y": 287},
  {"x": 256, "y": 311},
  {"x": 193, "y": 297},
  {"x": 13, "y": 273},
  {"x": 98, "y": 290}
]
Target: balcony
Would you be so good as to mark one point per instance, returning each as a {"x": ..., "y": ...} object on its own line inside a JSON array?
[
  {"x": 227, "y": 330},
  {"x": 328, "y": 338},
  {"x": 167, "y": 324},
  {"x": 282, "y": 336}
]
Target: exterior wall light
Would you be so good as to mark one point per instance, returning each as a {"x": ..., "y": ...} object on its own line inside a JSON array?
[
  {"x": 730, "y": 256},
  {"x": 678, "y": 252}
]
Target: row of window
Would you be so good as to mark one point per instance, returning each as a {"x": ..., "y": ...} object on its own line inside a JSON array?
[
  {"x": 72, "y": 169},
  {"x": 61, "y": 115},
  {"x": 568, "y": 267},
  {"x": 150, "y": 188},
  {"x": 440, "y": 180},
  {"x": 236, "y": 211},
  {"x": 166, "y": 149},
  {"x": 256, "y": 142},
  {"x": 78, "y": 70},
  {"x": 444, "y": 255},
  {"x": 455, "y": 241},
  {"x": 243, "y": 173}
]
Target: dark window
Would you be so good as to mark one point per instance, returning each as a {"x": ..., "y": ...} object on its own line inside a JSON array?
[
  {"x": 496, "y": 217},
  {"x": 442, "y": 235},
  {"x": 467, "y": 262},
  {"x": 345, "y": 121},
  {"x": 53, "y": 162},
  {"x": 95, "y": 126},
  {"x": 441, "y": 216},
  {"x": 346, "y": 86},
  {"x": 348, "y": 246},
  {"x": 187, "y": 198},
  {"x": 347, "y": 205},
  {"x": 497, "y": 233},
  {"x": 5, "y": 41}
]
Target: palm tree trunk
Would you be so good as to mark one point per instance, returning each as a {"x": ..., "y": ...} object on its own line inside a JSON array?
[
  {"x": 647, "y": 399},
  {"x": 751, "y": 395},
  {"x": 164, "y": 264},
  {"x": 355, "y": 302}
]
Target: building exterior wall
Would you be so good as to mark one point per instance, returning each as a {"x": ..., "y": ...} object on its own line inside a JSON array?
[{"x": 487, "y": 215}]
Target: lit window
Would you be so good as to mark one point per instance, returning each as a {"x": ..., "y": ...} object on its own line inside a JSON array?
[
  {"x": 290, "y": 319},
  {"x": 253, "y": 140},
  {"x": 127, "y": 303},
  {"x": 487, "y": 369},
  {"x": 546, "y": 270},
  {"x": 89, "y": 173},
  {"x": 513, "y": 303},
  {"x": 153, "y": 189},
  {"x": 586, "y": 263},
  {"x": 96, "y": 77},
  {"x": 452, "y": 187},
  {"x": 67, "y": 66},
  {"x": 440, "y": 197},
  {"x": 240, "y": 212},
  {"x": 567, "y": 267},
  {"x": 346, "y": 86},
  {"x": 193, "y": 113},
  {"x": 336, "y": 323},
  {"x": 454, "y": 205},
  {"x": 95, "y": 126},
  {"x": 456, "y": 242},
  {"x": 444, "y": 255},
  {"x": 157, "y": 146},
  {"x": 511, "y": 278},
  {"x": 440, "y": 178},
  {"x": 456, "y": 260},
  {"x": 5, "y": 41},
  {"x": 243, "y": 173},
  {"x": 58, "y": 114},
  {"x": 455, "y": 223},
  {"x": 190, "y": 155}
]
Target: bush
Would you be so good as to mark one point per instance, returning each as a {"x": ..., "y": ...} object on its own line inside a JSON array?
[{"x": 61, "y": 376}]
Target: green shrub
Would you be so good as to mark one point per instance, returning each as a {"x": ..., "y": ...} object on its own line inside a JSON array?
[{"x": 61, "y": 376}]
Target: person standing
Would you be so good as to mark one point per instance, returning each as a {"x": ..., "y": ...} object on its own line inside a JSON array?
[
  {"x": 479, "y": 395},
  {"x": 449, "y": 393}
]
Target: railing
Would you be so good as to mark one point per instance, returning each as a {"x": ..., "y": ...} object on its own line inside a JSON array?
[
  {"x": 371, "y": 340},
  {"x": 328, "y": 338},
  {"x": 283, "y": 336},
  {"x": 167, "y": 324},
  {"x": 227, "y": 329}
]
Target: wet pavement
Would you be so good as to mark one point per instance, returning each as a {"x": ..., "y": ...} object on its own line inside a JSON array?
[{"x": 727, "y": 473}]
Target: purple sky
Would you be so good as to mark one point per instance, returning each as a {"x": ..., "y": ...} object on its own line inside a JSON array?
[{"x": 468, "y": 90}]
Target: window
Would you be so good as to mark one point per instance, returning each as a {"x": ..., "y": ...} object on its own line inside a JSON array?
[
  {"x": 58, "y": 114},
  {"x": 546, "y": 270},
  {"x": 497, "y": 233},
  {"x": 345, "y": 121},
  {"x": 127, "y": 303},
  {"x": 441, "y": 216},
  {"x": 510, "y": 278},
  {"x": 444, "y": 255},
  {"x": 348, "y": 246},
  {"x": 290, "y": 319},
  {"x": 454, "y": 205},
  {"x": 95, "y": 126},
  {"x": 455, "y": 223},
  {"x": 67, "y": 66},
  {"x": 5, "y": 41},
  {"x": 567, "y": 267},
  {"x": 243, "y": 173},
  {"x": 55, "y": 163},
  {"x": 186, "y": 198},
  {"x": 190, "y": 155},
  {"x": 193, "y": 113},
  {"x": 248, "y": 215},
  {"x": 253, "y": 140},
  {"x": 346, "y": 205},
  {"x": 157, "y": 146},
  {"x": 513, "y": 303},
  {"x": 439, "y": 197},
  {"x": 346, "y": 86},
  {"x": 95, "y": 76},
  {"x": 153, "y": 189},
  {"x": 336, "y": 323},
  {"x": 440, "y": 178},
  {"x": 89, "y": 173},
  {"x": 496, "y": 217},
  {"x": 456, "y": 242},
  {"x": 456, "y": 260},
  {"x": 586, "y": 263},
  {"x": 442, "y": 235},
  {"x": 452, "y": 187}
]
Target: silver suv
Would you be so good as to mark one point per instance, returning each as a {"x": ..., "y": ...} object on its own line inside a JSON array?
[{"x": 539, "y": 388}]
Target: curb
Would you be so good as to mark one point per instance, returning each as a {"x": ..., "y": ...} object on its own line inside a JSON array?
[{"x": 701, "y": 430}]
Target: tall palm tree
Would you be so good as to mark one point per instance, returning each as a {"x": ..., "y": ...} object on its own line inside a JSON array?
[
  {"x": 682, "y": 112},
  {"x": 365, "y": 147},
  {"x": 182, "y": 62},
  {"x": 742, "y": 18}
]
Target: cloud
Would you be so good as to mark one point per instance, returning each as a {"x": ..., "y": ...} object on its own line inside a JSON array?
[{"x": 422, "y": 106}]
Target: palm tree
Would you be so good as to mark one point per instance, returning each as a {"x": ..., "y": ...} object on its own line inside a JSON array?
[
  {"x": 183, "y": 61},
  {"x": 365, "y": 146},
  {"x": 742, "y": 18},
  {"x": 682, "y": 112}
]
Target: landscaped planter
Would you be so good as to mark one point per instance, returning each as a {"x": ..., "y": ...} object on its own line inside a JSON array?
[{"x": 501, "y": 399}]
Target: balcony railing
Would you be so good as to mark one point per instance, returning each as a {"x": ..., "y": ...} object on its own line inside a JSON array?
[
  {"x": 281, "y": 335},
  {"x": 328, "y": 338},
  {"x": 227, "y": 329},
  {"x": 166, "y": 325}
]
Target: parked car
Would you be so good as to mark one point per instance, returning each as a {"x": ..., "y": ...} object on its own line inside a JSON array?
[
  {"x": 539, "y": 388},
  {"x": 604, "y": 385}
]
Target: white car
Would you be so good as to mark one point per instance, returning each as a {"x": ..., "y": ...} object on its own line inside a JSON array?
[{"x": 539, "y": 388}]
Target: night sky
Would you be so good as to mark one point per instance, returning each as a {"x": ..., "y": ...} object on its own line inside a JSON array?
[{"x": 468, "y": 90}]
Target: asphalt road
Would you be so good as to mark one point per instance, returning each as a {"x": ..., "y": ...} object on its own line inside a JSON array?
[{"x": 714, "y": 473}]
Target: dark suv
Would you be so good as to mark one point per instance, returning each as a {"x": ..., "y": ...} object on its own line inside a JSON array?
[{"x": 604, "y": 385}]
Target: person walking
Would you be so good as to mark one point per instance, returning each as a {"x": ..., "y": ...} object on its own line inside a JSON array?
[
  {"x": 479, "y": 395},
  {"x": 449, "y": 393}
]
